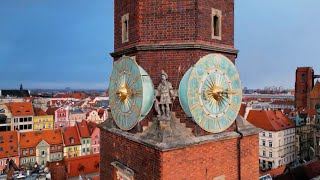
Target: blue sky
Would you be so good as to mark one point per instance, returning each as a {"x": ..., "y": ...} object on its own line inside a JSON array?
[{"x": 58, "y": 44}]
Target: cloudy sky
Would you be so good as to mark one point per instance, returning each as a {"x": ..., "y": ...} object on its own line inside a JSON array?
[{"x": 58, "y": 43}]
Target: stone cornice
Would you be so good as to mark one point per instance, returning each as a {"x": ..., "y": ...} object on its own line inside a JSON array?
[{"x": 175, "y": 46}]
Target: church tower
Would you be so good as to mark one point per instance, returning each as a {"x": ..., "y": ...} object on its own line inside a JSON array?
[{"x": 172, "y": 36}]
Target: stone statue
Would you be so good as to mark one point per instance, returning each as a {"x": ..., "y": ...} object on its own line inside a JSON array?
[{"x": 166, "y": 93}]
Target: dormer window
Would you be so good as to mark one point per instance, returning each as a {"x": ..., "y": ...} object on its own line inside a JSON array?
[
  {"x": 71, "y": 140},
  {"x": 216, "y": 24},
  {"x": 125, "y": 28}
]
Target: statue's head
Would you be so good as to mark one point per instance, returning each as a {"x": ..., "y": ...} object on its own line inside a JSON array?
[{"x": 164, "y": 75}]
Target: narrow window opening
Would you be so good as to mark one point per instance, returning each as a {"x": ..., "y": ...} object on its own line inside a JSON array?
[{"x": 216, "y": 25}]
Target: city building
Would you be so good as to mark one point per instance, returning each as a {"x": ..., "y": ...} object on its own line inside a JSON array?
[
  {"x": 22, "y": 114},
  {"x": 13, "y": 93},
  {"x": 61, "y": 118},
  {"x": 85, "y": 137},
  {"x": 95, "y": 137},
  {"x": 41, "y": 120},
  {"x": 41, "y": 146},
  {"x": 276, "y": 141},
  {"x": 8, "y": 149},
  {"x": 76, "y": 115},
  {"x": 281, "y": 105},
  {"x": 305, "y": 134},
  {"x": 71, "y": 142},
  {"x": 5, "y": 118}
]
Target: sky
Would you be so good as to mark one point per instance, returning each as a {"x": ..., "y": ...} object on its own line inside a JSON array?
[{"x": 58, "y": 43}]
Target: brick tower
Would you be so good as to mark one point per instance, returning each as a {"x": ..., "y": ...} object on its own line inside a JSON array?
[
  {"x": 171, "y": 35},
  {"x": 304, "y": 84}
]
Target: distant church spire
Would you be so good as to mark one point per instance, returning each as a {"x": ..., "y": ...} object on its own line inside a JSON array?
[{"x": 21, "y": 88}]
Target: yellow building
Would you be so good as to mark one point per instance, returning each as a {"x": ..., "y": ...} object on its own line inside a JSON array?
[
  {"x": 71, "y": 142},
  {"x": 41, "y": 120}
]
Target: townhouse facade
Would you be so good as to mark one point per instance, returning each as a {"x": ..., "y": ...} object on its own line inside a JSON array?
[
  {"x": 22, "y": 114},
  {"x": 304, "y": 145},
  {"x": 42, "y": 121},
  {"x": 71, "y": 142},
  {"x": 85, "y": 137},
  {"x": 76, "y": 115},
  {"x": 95, "y": 141},
  {"x": 41, "y": 146},
  {"x": 61, "y": 118},
  {"x": 276, "y": 141}
]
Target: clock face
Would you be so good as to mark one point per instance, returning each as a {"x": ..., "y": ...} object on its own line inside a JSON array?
[
  {"x": 126, "y": 93},
  {"x": 214, "y": 93}
]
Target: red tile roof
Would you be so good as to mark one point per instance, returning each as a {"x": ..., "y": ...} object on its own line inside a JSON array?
[
  {"x": 91, "y": 126},
  {"x": 312, "y": 169},
  {"x": 32, "y": 139},
  {"x": 269, "y": 120},
  {"x": 39, "y": 112},
  {"x": 20, "y": 108},
  {"x": 83, "y": 129},
  {"x": 274, "y": 172},
  {"x": 79, "y": 165},
  {"x": 51, "y": 110},
  {"x": 69, "y": 133},
  {"x": 8, "y": 144}
]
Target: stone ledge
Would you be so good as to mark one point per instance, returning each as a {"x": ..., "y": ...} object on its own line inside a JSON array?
[
  {"x": 167, "y": 146},
  {"x": 174, "y": 46}
]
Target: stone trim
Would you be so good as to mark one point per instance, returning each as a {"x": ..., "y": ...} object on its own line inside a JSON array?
[
  {"x": 174, "y": 46},
  {"x": 216, "y": 13},
  {"x": 125, "y": 28},
  {"x": 123, "y": 172}
]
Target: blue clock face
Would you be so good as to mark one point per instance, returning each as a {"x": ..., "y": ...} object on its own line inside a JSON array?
[
  {"x": 214, "y": 93},
  {"x": 126, "y": 93}
]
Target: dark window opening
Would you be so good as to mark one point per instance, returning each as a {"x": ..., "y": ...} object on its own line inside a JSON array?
[{"x": 216, "y": 26}]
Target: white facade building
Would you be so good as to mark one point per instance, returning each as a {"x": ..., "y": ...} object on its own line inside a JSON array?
[{"x": 276, "y": 148}]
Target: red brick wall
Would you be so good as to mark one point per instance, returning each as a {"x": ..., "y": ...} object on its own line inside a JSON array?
[
  {"x": 203, "y": 161},
  {"x": 163, "y": 21},
  {"x": 250, "y": 157},
  {"x": 144, "y": 161},
  {"x": 303, "y": 86}
]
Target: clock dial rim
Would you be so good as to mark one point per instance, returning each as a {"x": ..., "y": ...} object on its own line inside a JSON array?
[{"x": 204, "y": 124}]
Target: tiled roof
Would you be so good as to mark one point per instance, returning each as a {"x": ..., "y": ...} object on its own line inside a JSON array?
[
  {"x": 51, "y": 110},
  {"x": 32, "y": 139},
  {"x": 76, "y": 111},
  {"x": 15, "y": 93},
  {"x": 83, "y": 129},
  {"x": 8, "y": 144},
  {"x": 101, "y": 112},
  {"x": 20, "y": 108},
  {"x": 269, "y": 120},
  {"x": 69, "y": 133},
  {"x": 91, "y": 127},
  {"x": 39, "y": 112},
  {"x": 79, "y": 165},
  {"x": 274, "y": 172}
]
